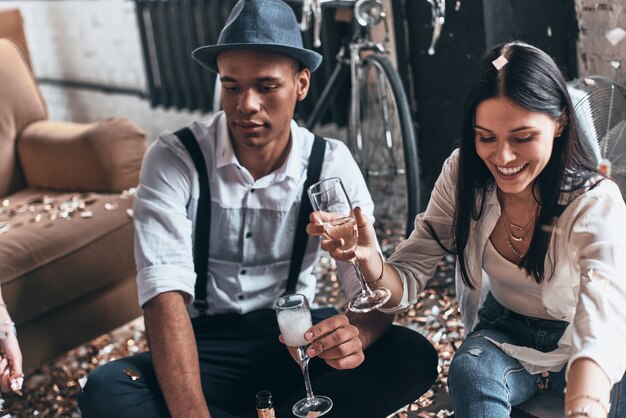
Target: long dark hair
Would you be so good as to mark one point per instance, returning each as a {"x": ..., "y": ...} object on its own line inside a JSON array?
[{"x": 532, "y": 80}]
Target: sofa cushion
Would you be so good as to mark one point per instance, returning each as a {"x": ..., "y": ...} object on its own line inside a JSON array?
[
  {"x": 51, "y": 254},
  {"x": 12, "y": 27},
  {"x": 21, "y": 103},
  {"x": 104, "y": 156}
]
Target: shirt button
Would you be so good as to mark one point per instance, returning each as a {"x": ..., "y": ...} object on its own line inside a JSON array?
[
  {"x": 252, "y": 190},
  {"x": 248, "y": 234},
  {"x": 241, "y": 296},
  {"x": 244, "y": 271}
]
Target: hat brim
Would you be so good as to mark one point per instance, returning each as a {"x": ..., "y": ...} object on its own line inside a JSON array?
[{"x": 206, "y": 55}]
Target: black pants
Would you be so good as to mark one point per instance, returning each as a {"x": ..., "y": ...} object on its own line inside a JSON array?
[{"x": 240, "y": 355}]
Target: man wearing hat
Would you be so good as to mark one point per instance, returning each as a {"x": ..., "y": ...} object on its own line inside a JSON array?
[{"x": 220, "y": 218}]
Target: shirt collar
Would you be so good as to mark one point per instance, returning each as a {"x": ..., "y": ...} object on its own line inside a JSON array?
[
  {"x": 293, "y": 165},
  {"x": 225, "y": 154},
  {"x": 492, "y": 196}
]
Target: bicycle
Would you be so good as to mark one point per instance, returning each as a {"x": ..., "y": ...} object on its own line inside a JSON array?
[{"x": 380, "y": 128}]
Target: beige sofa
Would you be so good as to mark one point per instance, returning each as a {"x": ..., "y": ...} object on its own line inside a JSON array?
[{"x": 66, "y": 236}]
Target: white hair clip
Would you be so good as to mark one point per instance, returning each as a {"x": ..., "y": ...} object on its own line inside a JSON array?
[{"x": 500, "y": 62}]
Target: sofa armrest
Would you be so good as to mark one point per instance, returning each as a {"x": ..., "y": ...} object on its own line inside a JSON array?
[{"x": 104, "y": 156}]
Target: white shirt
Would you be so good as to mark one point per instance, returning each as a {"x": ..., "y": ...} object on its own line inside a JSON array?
[
  {"x": 588, "y": 286},
  {"x": 253, "y": 222},
  {"x": 511, "y": 286}
]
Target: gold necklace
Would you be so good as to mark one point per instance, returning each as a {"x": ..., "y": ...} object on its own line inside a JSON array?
[
  {"x": 513, "y": 250},
  {"x": 509, "y": 235},
  {"x": 518, "y": 228},
  {"x": 509, "y": 226}
]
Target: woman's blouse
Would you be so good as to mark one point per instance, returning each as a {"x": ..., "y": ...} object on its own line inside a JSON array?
[{"x": 586, "y": 286}]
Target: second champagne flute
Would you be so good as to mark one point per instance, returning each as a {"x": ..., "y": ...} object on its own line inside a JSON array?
[
  {"x": 294, "y": 319},
  {"x": 330, "y": 198}
]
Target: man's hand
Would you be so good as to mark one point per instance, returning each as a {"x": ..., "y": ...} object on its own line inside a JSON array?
[{"x": 336, "y": 341}]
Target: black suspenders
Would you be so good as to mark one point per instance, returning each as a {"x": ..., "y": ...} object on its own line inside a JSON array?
[
  {"x": 203, "y": 217},
  {"x": 300, "y": 240}
]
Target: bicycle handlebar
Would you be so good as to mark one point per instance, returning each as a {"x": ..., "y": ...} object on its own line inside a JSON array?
[{"x": 312, "y": 10}]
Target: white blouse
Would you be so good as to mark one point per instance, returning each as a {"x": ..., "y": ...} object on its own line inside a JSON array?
[
  {"x": 588, "y": 283},
  {"x": 511, "y": 286}
]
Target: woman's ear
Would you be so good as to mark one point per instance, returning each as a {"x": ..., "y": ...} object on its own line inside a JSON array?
[{"x": 561, "y": 124}]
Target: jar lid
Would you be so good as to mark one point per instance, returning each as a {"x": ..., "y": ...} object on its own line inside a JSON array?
[{"x": 264, "y": 399}]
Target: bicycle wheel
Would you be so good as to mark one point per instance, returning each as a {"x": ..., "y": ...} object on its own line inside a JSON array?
[{"x": 383, "y": 142}]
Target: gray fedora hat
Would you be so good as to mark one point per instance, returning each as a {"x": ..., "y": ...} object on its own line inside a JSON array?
[{"x": 268, "y": 25}]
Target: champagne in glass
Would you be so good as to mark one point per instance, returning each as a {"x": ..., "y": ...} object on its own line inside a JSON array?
[
  {"x": 294, "y": 319},
  {"x": 329, "y": 197}
]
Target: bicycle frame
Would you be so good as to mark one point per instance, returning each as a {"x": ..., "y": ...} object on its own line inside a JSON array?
[
  {"x": 354, "y": 128},
  {"x": 349, "y": 58},
  {"x": 375, "y": 92}
]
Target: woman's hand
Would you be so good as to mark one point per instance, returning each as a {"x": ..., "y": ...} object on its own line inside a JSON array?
[
  {"x": 11, "y": 374},
  {"x": 366, "y": 245}
]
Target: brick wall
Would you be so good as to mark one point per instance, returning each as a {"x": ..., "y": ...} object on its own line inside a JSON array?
[
  {"x": 92, "y": 41},
  {"x": 596, "y": 19}
]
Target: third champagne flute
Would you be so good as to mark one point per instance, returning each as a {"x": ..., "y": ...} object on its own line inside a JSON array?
[{"x": 330, "y": 198}]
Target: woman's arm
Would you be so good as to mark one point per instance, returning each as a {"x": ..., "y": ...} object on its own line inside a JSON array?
[
  {"x": 588, "y": 389},
  {"x": 416, "y": 257},
  {"x": 11, "y": 373},
  {"x": 597, "y": 243}
]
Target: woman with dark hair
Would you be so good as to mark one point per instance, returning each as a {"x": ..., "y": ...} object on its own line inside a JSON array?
[{"x": 540, "y": 239}]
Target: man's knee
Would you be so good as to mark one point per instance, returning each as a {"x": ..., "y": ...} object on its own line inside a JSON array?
[
  {"x": 410, "y": 357},
  {"x": 96, "y": 396},
  {"x": 411, "y": 349}
]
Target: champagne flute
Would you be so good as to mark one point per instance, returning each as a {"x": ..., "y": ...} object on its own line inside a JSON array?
[
  {"x": 329, "y": 197},
  {"x": 294, "y": 319}
]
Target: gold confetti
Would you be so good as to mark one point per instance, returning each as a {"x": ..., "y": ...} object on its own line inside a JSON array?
[
  {"x": 52, "y": 389},
  {"x": 132, "y": 374}
]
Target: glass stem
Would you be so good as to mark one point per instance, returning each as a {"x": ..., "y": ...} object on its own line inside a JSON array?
[
  {"x": 304, "y": 363},
  {"x": 364, "y": 287}
]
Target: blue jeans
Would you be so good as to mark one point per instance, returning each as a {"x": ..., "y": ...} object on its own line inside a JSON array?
[{"x": 486, "y": 382}]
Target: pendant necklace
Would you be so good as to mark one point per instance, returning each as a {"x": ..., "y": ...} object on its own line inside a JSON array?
[
  {"x": 509, "y": 227},
  {"x": 520, "y": 229}
]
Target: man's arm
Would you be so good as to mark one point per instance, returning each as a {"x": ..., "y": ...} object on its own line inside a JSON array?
[
  {"x": 175, "y": 355},
  {"x": 371, "y": 325}
]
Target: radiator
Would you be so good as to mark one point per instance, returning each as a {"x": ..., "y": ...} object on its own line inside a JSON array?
[{"x": 170, "y": 30}]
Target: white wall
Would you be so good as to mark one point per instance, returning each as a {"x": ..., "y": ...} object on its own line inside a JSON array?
[{"x": 92, "y": 41}]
